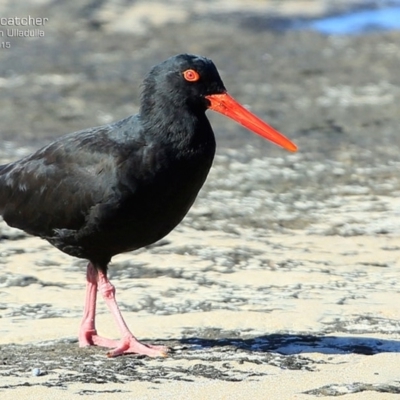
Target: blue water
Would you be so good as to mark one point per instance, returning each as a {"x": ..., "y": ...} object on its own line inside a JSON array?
[{"x": 359, "y": 22}]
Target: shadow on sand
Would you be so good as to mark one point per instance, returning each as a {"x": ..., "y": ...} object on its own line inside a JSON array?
[{"x": 290, "y": 344}]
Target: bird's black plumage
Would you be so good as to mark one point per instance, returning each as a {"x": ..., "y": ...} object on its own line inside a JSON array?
[{"x": 115, "y": 188}]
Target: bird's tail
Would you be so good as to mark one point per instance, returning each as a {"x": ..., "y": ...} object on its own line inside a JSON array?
[{"x": 2, "y": 194}]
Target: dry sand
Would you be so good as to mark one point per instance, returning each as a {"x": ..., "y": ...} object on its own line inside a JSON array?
[{"x": 295, "y": 315}]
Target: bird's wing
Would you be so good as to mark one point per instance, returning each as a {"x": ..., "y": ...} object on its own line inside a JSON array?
[{"x": 59, "y": 185}]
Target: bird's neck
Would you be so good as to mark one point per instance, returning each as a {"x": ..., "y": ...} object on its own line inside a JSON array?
[{"x": 176, "y": 125}]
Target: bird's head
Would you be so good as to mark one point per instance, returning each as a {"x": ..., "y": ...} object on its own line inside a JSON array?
[{"x": 192, "y": 81}]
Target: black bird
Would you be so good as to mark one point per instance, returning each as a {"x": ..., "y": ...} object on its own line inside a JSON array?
[{"x": 118, "y": 187}]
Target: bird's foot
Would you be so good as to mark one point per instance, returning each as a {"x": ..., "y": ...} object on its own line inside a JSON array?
[
  {"x": 130, "y": 345},
  {"x": 91, "y": 338},
  {"x": 127, "y": 345}
]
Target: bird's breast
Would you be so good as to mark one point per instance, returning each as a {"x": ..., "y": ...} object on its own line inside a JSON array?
[{"x": 156, "y": 198}]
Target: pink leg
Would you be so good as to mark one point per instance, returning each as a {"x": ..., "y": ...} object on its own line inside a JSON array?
[
  {"x": 88, "y": 334},
  {"x": 128, "y": 343},
  {"x": 87, "y": 328}
]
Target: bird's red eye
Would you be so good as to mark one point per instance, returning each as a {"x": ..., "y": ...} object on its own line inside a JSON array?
[{"x": 191, "y": 75}]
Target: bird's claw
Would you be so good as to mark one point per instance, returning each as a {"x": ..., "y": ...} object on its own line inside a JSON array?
[{"x": 131, "y": 345}]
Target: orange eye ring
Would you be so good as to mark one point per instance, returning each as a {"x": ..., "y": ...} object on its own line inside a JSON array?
[{"x": 191, "y": 75}]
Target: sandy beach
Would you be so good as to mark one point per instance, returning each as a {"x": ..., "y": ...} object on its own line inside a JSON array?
[{"x": 296, "y": 318}]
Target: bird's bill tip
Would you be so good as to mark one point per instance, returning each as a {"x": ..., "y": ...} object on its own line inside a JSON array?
[{"x": 228, "y": 106}]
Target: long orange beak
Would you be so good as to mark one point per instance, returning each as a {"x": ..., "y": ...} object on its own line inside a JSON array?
[{"x": 227, "y": 105}]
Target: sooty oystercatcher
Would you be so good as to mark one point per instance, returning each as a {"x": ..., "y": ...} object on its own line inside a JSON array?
[{"x": 118, "y": 187}]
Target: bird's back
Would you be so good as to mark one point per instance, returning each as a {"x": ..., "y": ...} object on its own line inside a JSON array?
[{"x": 106, "y": 190}]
